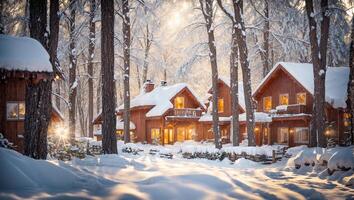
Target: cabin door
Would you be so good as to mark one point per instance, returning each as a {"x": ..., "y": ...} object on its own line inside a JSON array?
[{"x": 168, "y": 136}]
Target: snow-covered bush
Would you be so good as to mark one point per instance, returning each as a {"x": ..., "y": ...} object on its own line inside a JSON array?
[
  {"x": 4, "y": 143},
  {"x": 308, "y": 156},
  {"x": 65, "y": 150},
  {"x": 342, "y": 159}
]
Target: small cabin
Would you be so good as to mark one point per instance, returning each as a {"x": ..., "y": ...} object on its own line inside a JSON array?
[
  {"x": 164, "y": 114},
  {"x": 285, "y": 104},
  {"x": 21, "y": 59}
]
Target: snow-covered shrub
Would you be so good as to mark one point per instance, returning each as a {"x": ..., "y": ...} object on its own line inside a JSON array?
[
  {"x": 342, "y": 159},
  {"x": 4, "y": 143},
  {"x": 64, "y": 150},
  {"x": 308, "y": 156}
]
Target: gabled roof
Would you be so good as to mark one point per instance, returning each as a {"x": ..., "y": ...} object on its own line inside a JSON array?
[
  {"x": 336, "y": 80},
  {"x": 23, "y": 54},
  {"x": 241, "y": 95},
  {"x": 160, "y": 98}
]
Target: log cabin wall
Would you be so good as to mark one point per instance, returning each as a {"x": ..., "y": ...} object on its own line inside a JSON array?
[
  {"x": 282, "y": 83},
  {"x": 189, "y": 99},
  {"x": 13, "y": 90},
  {"x": 224, "y": 93},
  {"x": 139, "y": 119}
]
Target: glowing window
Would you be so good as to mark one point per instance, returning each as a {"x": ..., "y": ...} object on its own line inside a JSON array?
[
  {"x": 267, "y": 103},
  {"x": 301, "y": 135},
  {"x": 155, "y": 135},
  {"x": 179, "y": 102},
  {"x": 220, "y": 105},
  {"x": 301, "y": 98},
  {"x": 168, "y": 136},
  {"x": 181, "y": 132},
  {"x": 284, "y": 99},
  {"x": 15, "y": 110},
  {"x": 282, "y": 136}
]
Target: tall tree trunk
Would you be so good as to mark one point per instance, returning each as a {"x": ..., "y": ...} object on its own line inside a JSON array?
[
  {"x": 72, "y": 69},
  {"x": 319, "y": 55},
  {"x": 207, "y": 10},
  {"x": 350, "y": 100},
  {"x": 2, "y": 25},
  {"x": 109, "y": 139},
  {"x": 38, "y": 92},
  {"x": 146, "y": 54},
  {"x": 265, "y": 49},
  {"x": 246, "y": 72},
  {"x": 53, "y": 42},
  {"x": 233, "y": 79},
  {"x": 126, "y": 50},
  {"x": 90, "y": 72}
]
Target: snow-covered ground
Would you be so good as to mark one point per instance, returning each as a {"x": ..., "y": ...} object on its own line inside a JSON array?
[{"x": 145, "y": 176}]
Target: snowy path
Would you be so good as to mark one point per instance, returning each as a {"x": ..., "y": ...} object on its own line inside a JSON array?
[{"x": 127, "y": 176}]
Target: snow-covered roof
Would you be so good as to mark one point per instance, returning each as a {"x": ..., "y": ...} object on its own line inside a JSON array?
[
  {"x": 207, "y": 117},
  {"x": 23, "y": 54},
  {"x": 336, "y": 80},
  {"x": 241, "y": 94},
  {"x": 258, "y": 117},
  {"x": 160, "y": 99}
]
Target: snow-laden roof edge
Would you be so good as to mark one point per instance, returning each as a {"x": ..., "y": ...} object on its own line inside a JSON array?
[
  {"x": 336, "y": 80},
  {"x": 23, "y": 54}
]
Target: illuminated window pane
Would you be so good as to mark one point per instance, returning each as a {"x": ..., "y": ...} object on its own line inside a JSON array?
[
  {"x": 267, "y": 103},
  {"x": 12, "y": 111},
  {"x": 181, "y": 132},
  {"x": 301, "y": 135},
  {"x": 155, "y": 135},
  {"x": 301, "y": 98},
  {"x": 179, "y": 102},
  {"x": 283, "y": 135},
  {"x": 21, "y": 110},
  {"x": 284, "y": 99},
  {"x": 220, "y": 105}
]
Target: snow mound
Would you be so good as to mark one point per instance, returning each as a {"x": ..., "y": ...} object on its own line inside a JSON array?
[
  {"x": 23, "y": 54},
  {"x": 19, "y": 171},
  {"x": 308, "y": 156},
  {"x": 342, "y": 159}
]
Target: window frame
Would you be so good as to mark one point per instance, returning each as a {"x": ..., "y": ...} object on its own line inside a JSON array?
[
  {"x": 271, "y": 103},
  {"x": 183, "y": 102},
  {"x": 18, "y": 111},
  {"x": 299, "y": 93},
  {"x": 301, "y": 141},
  {"x": 280, "y": 98},
  {"x": 223, "y": 105},
  {"x": 279, "y": 136}
]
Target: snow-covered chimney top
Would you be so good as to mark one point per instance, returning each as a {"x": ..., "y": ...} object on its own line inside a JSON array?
[
  {"x": 163, "y": 83},
  {"x": 148, "y": 86}
]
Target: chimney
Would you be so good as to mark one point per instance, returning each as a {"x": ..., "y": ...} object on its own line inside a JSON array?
[
  {"x": 148, "y": 86},
  {"x": 163, "y": 83}
]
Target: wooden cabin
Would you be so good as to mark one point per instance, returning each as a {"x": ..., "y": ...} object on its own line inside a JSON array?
[
  {"x": 224, "y": 109},
  {"x": 21, "y": 59},
  {"x": 164, "y": 114},
  {"x": 285, "y": 104}
]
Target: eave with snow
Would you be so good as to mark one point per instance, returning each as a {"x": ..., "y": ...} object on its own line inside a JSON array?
[{"x": 22, "y": 59}]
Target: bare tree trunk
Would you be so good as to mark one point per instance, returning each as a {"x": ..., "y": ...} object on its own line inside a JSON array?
[
  {"x": 138, "y": 76},
  {"x": 109, "y": 139},
  {"x": 146, "y": 54},
  {"x": 90, "y": 72},
  {"x": 233, "y": 79},
  {"x": 319, "y": 55},
  {"x": 350, "y": 100},
  {"x": 246, "y": 72},
  {"x": 207, "y": 10},
  {"x": 126, "y": 50},
  {"x": 38, "y": 92},
  {"x": 53, "y": 42},
  {"x": 72, "y": 70},
  {"x": 99, "y": 92},
  {"x": 2, "y": 25},
  {"x": 265, "y": 50}
]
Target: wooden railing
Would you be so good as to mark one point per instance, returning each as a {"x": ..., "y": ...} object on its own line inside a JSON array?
[
  {"x": 293, "y": 109},
  {"x": 186, "y": 112}
]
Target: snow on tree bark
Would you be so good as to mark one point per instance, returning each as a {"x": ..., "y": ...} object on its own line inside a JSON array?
[
  {"x": 91, "y": 51},
  {"x": 126, "y": 71},
  {"x": 109, "y": 140},
  {"x": 72, "y": 69},
  {"x": 233, "y": 79},
  {"x": 38, "y": 92},
  {"x": 246, "y": 72},
  {"x": 319, "y": 55},
  {"x": 350, "y": 100},
  {"x": 207, "y": 11}
]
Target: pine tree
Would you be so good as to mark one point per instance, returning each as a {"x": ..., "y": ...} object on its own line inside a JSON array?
[{"x": 109, "y": 139}]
